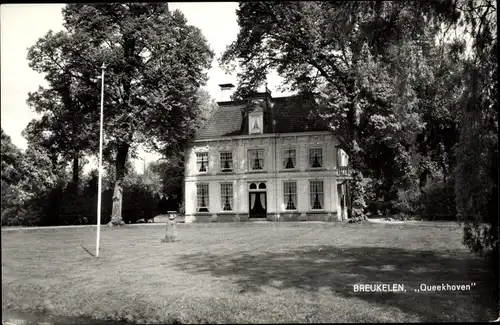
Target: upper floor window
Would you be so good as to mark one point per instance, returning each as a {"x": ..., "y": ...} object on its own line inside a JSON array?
[
  {"x": 316, "y": 195},
  {"x": 316, "y": 157},
  {"x": 202, "y": 161},
  {"x": 226, "y": 161},
  {"x": 289, "y": 158},
  {"x": 256, "y": 159},
  {"x": 290, "y": 195}
]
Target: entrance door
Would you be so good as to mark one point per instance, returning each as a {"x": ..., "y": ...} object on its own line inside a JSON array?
[{"x": 258, "y": 204}]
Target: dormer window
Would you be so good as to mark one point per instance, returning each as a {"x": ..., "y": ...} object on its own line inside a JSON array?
[
  {"x": 256, "y": 120},
  {"x": 202, "y": 162},
  {"x": 289, "y": 158},
  {"x": 256, "y": 128},
  {"x": 226, "y": 161}
]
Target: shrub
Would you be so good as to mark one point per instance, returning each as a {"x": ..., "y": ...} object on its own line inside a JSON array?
[
  {"x": 437, "y": 201},
  {"x": 407, "y": 202},
  {"x": 139, "y": 202}
]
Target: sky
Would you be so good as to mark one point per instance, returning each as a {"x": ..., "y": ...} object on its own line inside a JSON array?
[{"x": 22, "y": 25}]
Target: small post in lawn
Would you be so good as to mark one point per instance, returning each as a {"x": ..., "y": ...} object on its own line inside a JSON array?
[
  {"x": 170, "y": 228},
  {"x": 100, "y": 166}
]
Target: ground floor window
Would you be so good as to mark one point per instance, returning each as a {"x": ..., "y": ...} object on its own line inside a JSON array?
[
  {"x": 316, "y": 194},
  {"x": 226, "y": 190},
  {"x": 290, "y": 195},
  {"x": 202, "y": 197}
]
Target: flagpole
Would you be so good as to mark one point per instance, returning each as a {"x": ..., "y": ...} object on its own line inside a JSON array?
[{"x": 100, "y": 166}]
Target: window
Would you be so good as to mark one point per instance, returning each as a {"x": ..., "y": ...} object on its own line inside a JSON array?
[
  {"x": 202, "y": 197},
  {"x": 226, "y": 161},
  {"x": 290, "y": 195},
  {"x": 256, "y": 159},
  {"x": 202, "y": 161},
  {"x": 253, "y": 186},
  {"x": 262, "y": 186},
  {"x": 226, "y": 191},
  {"x": 316, "y": 194},
  {"x": 316, "y": 157},
  {"x": 289, "y": 157}
]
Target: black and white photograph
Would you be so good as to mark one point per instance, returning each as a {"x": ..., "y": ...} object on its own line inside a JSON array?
[{"x": 249, "y": 162}]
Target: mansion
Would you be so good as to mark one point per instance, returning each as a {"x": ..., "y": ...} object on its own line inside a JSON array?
[{"x": 265, "y": 158}]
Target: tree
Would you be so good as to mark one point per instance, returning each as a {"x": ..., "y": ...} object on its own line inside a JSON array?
[
  {"x": 11, "y": 156},
  {"x": 477, "y": 149},
  {"x": 171, "y": 173},
  {"x": 26, "y": 177},
  {"x": 67, "y": 109},
  {"x": 155, "y": 63},
  {"x": 361, "y": 60},
  {"x": 205, "y": 105}
]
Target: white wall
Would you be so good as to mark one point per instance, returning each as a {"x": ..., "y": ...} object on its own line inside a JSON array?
[{"x": 241, "y": 176}]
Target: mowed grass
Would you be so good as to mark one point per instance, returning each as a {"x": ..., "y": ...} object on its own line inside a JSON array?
[{"x": 245, "y": 273}]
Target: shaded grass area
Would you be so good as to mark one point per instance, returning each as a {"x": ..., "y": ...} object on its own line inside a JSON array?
[{"x": 244, "y": 272}]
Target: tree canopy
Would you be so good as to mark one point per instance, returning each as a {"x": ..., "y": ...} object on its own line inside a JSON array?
[
  {"x": 362, "y": 59},
  {"x": 409, "y": 82},
  {"x": 155, "y": 64}
]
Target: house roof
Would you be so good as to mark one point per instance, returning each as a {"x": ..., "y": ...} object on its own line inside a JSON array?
[{"x": 292, "y": 114}]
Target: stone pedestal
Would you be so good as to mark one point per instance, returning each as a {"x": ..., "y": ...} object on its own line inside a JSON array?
[{"x": 170, "y": 229}]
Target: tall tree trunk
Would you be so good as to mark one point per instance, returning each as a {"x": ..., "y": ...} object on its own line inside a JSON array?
[
  {"x": 76, "y": 173},
  {"x": 121, "y": 158},
  {"x": 76, "y": 167},
  {"x": 123, "y": 147},
  {"x": 68, "y": 103},
  {"x": 423, "y": 179},
  {"x": 357, "y": 187}
]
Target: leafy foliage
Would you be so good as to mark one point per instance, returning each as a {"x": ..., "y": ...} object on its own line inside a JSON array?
[
  {"x": 477, "y": 149},
  {"x": 26, "y": 176},
  {"x": 155, "y": 64},
  {"x": 362, "y": 59},
  {"x": 412, "y": 82},
  {"x": 437, "y": 201}
]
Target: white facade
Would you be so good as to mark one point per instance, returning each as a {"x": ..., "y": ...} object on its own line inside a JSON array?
[{"x": 273, "y": 175}]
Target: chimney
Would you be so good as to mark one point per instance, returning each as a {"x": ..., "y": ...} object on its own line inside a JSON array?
[{"x": 226, "y": 92}]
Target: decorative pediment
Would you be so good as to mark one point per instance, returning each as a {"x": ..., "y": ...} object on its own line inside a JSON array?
[{"x": 255, "y": 105}]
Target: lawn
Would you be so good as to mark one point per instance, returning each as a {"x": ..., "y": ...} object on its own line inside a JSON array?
[{"x": 245, "y": 273}]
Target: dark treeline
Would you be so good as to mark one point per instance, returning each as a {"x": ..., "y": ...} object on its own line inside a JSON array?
[{"x": 33, "y": 196}]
